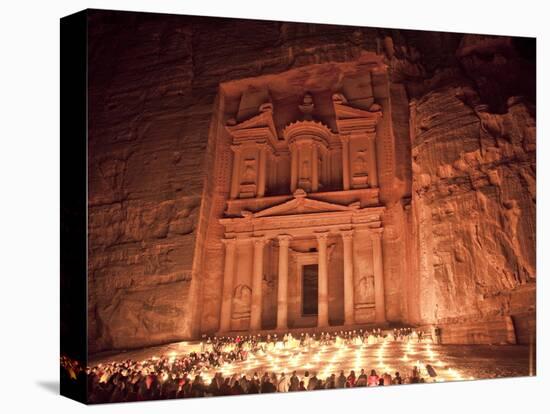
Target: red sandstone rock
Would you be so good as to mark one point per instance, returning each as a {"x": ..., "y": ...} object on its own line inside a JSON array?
[{"x": 455, "y": 153}]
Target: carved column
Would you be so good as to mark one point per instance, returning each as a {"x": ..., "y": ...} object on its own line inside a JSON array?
[
  {"x": 314, "y": 168},
  {"x": 293, "y": 168},
  {"x": 349, "y": 305},
  {"x": 227, "y": 292},
  {"x": 235, "y": 178},
  {"x": 345, "y": 161},
  {"x": 272, "y": 170},
  {"x": 373, "y": 171},
  {"x": 322, "y": 313},
  {"x": 378, "y": 267},
  {"x": 262, "y": 171},
  {"x": 282, "y": 288},
  {"x": 257, "y": 275}
]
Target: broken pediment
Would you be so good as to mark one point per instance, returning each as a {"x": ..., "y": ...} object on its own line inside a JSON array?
[
  {"x": 344, "y": 110},
  {"x": 301, "y": 204},
  {"x": 259, "y": 126},
  {"x": 251, "y": 99}
]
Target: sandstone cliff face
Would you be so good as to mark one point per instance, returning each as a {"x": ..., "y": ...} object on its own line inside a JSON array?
[
  {"x": 460, "y": 189},
  {"x": 474, "y": 195}
]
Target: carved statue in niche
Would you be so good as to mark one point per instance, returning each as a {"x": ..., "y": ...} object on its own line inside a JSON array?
[
  {"x": 360, "y": 164},
  {"x": 305, "y": 169},
  {"x": 365, "y": 290},
  {"x": 249, "y": 175},
  {"x": 307, "y": 106},
  {"x": 242, "y": 296}
]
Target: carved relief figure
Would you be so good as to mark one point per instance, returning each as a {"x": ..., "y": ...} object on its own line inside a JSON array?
[
  {"x": 249, "y": 175},
  {"x": 305, "y": 169},
  {"x": 360, "y": 164},
  {"x": 241, "y": 301},
  {"x": 365, "y": 290}
]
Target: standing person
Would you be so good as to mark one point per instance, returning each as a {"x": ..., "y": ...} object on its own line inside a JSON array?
[
  {"x": 282, "y": 386},
  {"x": 236, "y": 389},
  {"x": 341, "y": 380},
  {"x": 244, "y": 384},
  {"x": 306, "y": 379},
  {"x": 294, "y": 382},
  {"x": 373, "y": 379},
  {"x": 253, "y": 387},
  {"x": 214, "y": 387},
  {"x": 437, "y": 335},
  {"x": 350, "y": 382},
  {"x": 362, "y": 379},
  {"x": 197, "y": 388},
  {"x": 331, "y": 382},
  {"x": 387, "y": 378},
  {"x": 226, "y": 387},
  {"x": 267, "y": 386},
  {"x": 397, "y": 380},
  {"x": 312, "y": 382},
  {"x": 415, "y": 378}
]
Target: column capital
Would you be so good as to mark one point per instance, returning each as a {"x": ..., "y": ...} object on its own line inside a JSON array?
[
  {"x": 229, "y": 242},
  {"x": 284, "y": 239},
  {"x": 236, "y": 148},
  {"x": 347, "y": 234},
  {"x": 370, "y": 136},
  {"x": 259, "y": 240},
  {"x": 376, "y": 234},
  {"x": 344, "y": 138},
  {"x": 322, "y": 236},
  {"x": 264, "y": 145}
]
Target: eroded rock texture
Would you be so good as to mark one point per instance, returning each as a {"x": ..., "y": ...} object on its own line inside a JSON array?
[
  {"x": 474, "y": 200},
  {"x": 459, "y": 189}
]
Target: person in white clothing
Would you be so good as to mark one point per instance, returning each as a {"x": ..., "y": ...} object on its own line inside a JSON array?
[{"x": 283, "y": 383}]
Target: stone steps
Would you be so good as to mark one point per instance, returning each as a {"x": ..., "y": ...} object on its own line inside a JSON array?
[{"x": 385, "y": 328}]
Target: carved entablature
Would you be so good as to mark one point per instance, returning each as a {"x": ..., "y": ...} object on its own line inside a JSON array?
[
  {"x": 357, "y": 130},
  {"x": 290, "y": 216}
]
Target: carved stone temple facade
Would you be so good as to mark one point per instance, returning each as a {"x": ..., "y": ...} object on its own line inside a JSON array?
[
  {"x": 258, "y": 175},
  {"x": 299, "y": 213},
  {"x": 322, "y": 209}
]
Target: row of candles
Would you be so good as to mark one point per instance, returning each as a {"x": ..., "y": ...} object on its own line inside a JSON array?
[{"x": 327, "y": 360}]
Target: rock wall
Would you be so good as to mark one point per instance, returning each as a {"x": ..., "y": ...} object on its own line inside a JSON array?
[
  {"x": 474, "y": 192},
  {"x": 460, "y": 190}
]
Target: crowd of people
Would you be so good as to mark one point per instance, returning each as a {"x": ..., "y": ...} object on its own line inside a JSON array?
[
  {"x": 268, "y": 342},
  {"x": 174, "y": 376}
]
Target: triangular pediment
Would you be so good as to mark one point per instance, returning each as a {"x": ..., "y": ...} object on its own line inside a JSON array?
[
  {"x": 300, "y": 204},
  {"x": 264, "y": 120},
  {"x": 349, "y": 118}
]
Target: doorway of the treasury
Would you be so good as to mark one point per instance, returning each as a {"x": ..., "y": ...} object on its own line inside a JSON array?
[{"x": 310, "y": 295}]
